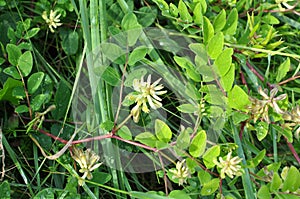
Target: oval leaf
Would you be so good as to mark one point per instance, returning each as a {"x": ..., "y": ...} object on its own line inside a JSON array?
[
  {"x": 162, "y": 131},
  {"x": 198, "y": 144},
  {"x": 34, "y": 81},
  {"x": 14, "y": 52},
  {"x": 215, "y": 45},
  {"x": 146, "y": 138},
  {"x": 25, "y": 63}
]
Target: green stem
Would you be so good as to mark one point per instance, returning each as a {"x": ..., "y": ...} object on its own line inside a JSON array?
[
  {"x": 275, "y": 151},
  {"x": 249, "y": 191}
]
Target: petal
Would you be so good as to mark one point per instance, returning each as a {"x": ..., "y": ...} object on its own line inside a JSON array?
[
  {"x": 262, "y": 93},
  {"x": 95, "y": 166},
  {"x": 149, "y": 81},
  {"x": 156, "y": 82},
  {"x": 280, "y": 97},
  {"x": 273, "y": 92},
  {"x": 160, "y": 92},
  {"x": 145, "y": 108}
]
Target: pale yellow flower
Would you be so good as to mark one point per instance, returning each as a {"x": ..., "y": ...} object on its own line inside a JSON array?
[
  {"x": 260, "y": 108},
  {"x": 146, "y": 93},
  {"x": 87, "y": 161},
  {"x": 53, "y": 20},
  {"x": 230, "y": 166},
  {"x": 181, "y": 172}
]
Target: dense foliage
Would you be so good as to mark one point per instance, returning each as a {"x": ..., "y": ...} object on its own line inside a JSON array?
[{"x": 149, "y": 99}]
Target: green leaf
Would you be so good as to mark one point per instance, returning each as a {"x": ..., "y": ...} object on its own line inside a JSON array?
[
  {"x": 146, "y": 16},
  {"x": 208, "y": 30},
  {"x": 70, "y": 42},
  {"x": 183, "y": 140},
  {"x": 211, "y": 154},
  {"x": 198, "y": 15},
  {"x": 207, "y": 72},
  {"x": 19, "y": 92},
  {"x": 107, "y": 125},
  {"x": 224, "y": 61},
  {"x": 264, "y": 192},
  {"x": 275, "y": 183},
  {"x": 21, "y": 109},
  {"x": 31, "y": 33},
  {"x": 198, "y": 144},
  {"x": 129, "y": 22},
  {"x": 178, "y": 194},
  {"x": 215, "y": 45},
  {"x": 25, "y": 63},
  {"x": 7, "y": 92},
  {"x": 132, "y": 27},
  {"x": 12, "y": 71},
  {"x": 283, "y": 70},
  {"x": 210, "y": 187},
  {"x": 146, "y": 138},
  {"x": 173, "y": 10},
  {"x": 192, "y": 92},
  {"x": 183, "y": 62},
  {"x": 38, "y": 101},
  {"x": 187, "y": 108},
  {"x": 45, "y": 193},
  {"x": 137, "y": 54},
  {"x": 5, "y": 190},
  {"x": 62, "y": 92},
  {"x": 113, "y": 52},
  {"x": 162, "y": 131},
  {"x": 237, "y": 98},
  {"x": 262, "y": 130},
  {"x": 111, "y": 76},
  {"x": 14, "y": 53},
  {"x": 258, "y": 158},
  {"x": 184, "y": 13},
  {"x": 231, "y": 23},
  {"x": 238, "y": 117},
  {"x": 228, "y": 79},
  {"x": 220, "y": 21},
  {"x": 134, "y": 74},
  {"x": 71, "y": 186},
  {"x": 34, "y": 81},
  {"x": 124, "y": 132},
  {"x": 291, "y": 182},
  {"x": 101, "y": 177},
  {"x": 204, "y": 177},
  {"x": 200, "y": 51}
]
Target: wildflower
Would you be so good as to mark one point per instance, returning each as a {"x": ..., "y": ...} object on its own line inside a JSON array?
[
  {"x": 87, "y": 162},
  {"x": 53, "y": 20},
  {"x": 146, "y": 93},
  {"x": 181, "y": 172},
  {"x": 293, "y": 117},
  {"x": 230, "y": 166},
  {"x": 261, "y": 107}
]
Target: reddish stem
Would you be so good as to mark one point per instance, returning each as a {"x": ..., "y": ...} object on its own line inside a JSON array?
[{"x": 293, "y": 151}]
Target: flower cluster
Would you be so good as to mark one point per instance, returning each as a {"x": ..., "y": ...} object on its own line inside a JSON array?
[
  {"x": 181, "y": 172},
  {"x": 260, "y": 108},
  {"x": 53, "y": 20},
  {"x": 230, "y": 166},
  {"x": 145, "y": 93},
  {"x": 87, "y": 161},
  {"x": 293, "y": 117}
]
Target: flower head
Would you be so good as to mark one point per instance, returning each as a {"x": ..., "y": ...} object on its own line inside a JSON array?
[
  {"x": 181, "y": 172},
  {"x": 230, "y": 166},
  {"x": 261, "y": 107},
  {"x": 87, "y": 162},
  {"x": 146, "y": 94},
  {"x": 53, "y": 20}
]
